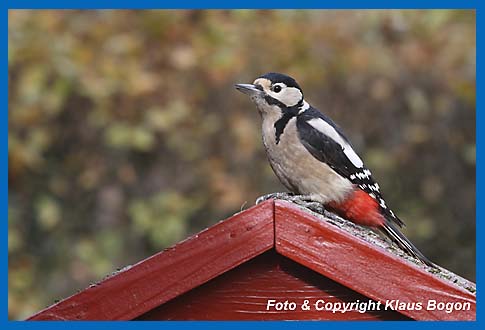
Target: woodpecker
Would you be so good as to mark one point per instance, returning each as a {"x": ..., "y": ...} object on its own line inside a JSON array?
[{"x": 313, "y": 158}]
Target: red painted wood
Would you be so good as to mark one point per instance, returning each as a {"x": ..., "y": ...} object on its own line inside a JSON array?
[
  {"x": 162, "y": 282},
  {"x": 172, "y": 272},
  {"x": 363, "y": 267},
  {"x": 243, "y": 293}
]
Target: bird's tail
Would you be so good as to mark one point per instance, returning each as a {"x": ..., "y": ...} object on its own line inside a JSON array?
[{"x": 395, "y": 235}]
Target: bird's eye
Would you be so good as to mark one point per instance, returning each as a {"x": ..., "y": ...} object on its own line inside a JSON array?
[{"x": 277, "y": 89}]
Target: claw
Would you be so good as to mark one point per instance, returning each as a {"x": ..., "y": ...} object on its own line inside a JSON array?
[
  {"x": 302, "y": 200},
  {"x": 313, "y": 206},
  {"x": 277, "y": 195}
]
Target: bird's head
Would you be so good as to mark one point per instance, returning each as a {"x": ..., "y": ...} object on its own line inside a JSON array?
[{"x": 274, "y": 92}]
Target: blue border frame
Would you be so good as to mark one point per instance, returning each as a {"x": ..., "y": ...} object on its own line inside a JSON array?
[{"x": 219, "y": 4}]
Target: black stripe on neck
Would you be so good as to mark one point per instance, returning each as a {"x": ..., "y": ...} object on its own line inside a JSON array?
[{"x": 288, "y": 113}]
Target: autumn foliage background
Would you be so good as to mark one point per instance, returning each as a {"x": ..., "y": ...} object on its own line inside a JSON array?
[{"x": 126, "y": 134}]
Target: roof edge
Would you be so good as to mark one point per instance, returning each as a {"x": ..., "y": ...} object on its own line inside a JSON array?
[
  {"x": 311, "y": 240},
  {"x": 315, "y": 242},
  {"x": 153, "y": 281}
]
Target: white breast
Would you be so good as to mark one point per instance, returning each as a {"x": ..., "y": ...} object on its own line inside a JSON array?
[{"x": 297, "y": 169}]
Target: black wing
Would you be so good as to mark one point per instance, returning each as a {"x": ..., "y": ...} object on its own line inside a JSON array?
[{"x": 326, "y": 150}]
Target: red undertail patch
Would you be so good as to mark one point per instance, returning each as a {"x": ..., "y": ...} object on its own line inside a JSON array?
[{"x": 360, "y": 208}]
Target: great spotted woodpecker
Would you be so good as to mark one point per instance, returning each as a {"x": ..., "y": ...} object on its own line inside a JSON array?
[{"x": 312, "y": 157}]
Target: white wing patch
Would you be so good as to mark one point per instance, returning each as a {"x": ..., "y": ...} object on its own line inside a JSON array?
[{"x": 327, "y": 129}]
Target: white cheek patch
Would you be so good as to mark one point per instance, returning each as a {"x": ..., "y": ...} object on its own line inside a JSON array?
[
  {"x": 289, "y": 96},
  {"x": 327, "y": 129}
]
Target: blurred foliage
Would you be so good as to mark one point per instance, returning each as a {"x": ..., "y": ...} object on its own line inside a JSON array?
[{"x": 126, "y": 134}]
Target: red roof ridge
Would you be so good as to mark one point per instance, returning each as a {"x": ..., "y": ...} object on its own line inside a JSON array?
[
  {"x": 328, "y": 247},
  {"x": 364, "y": 267},
  {"x": 373, "y": 238}
]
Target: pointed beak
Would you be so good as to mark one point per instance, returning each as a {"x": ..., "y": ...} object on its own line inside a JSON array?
[{"x": 248, "y": 89}]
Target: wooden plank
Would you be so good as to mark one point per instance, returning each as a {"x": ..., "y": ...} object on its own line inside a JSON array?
[
  {"x": 173, "y": 271},
  {"x": 243, "y": 293},
  {"x": 363, "y": 267}
]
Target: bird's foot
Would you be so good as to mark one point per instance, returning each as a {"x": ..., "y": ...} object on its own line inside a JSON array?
[
  {"x": 309, "y": 204},
  {"x": 302, "y": 200},
  {"x": 277, "y": 195}
]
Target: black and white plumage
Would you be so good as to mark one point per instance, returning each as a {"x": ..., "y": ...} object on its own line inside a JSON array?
[
  {"x": 312, "y": 157},
  {"x": 326, "y": 141}
]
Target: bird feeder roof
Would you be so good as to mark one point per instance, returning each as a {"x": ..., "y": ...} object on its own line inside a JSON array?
[{"x": 336, "y": 250}]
